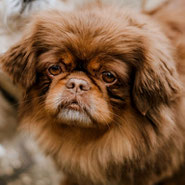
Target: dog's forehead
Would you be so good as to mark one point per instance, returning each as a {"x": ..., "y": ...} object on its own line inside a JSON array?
[
  {"x": 86, "y": 36},
  {"x": 80, "y": 31},
  {"x": 86, "y": 42}
]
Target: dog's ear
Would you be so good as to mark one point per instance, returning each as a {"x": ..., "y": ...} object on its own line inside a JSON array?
[
  {"x": 19, "y": 63},
  {"x": 156, "y": 80}
]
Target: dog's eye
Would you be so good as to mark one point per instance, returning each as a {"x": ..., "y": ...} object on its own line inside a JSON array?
[
  {"x": 108, "y": 77},
  {"x": 55, "y": 70}
]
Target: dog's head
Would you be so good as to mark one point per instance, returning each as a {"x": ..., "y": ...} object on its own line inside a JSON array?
[{"x": 85, "y": 69}]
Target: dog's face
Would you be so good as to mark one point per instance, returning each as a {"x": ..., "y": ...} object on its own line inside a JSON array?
[
  {"x": 86, "y": 69},
  {"x": 100, "y": 85},
  {"x": 82, "y": 90}
]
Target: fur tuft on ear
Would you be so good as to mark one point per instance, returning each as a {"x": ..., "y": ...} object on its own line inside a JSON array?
[
  {"x": 156, "y": 80},
  {"x": 18, "y": 62}
]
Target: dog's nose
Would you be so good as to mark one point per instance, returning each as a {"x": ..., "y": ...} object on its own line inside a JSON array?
[{"x": 78, "y": 85}]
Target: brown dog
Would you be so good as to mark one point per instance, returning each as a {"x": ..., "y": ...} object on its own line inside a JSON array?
[{"x": 103, "y": 94}]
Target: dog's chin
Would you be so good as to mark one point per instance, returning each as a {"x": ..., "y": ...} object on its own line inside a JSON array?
[{"x": 74, "y": 117}]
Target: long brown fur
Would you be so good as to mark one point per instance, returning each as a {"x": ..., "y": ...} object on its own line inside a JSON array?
[{"x": 133, "y": 133}]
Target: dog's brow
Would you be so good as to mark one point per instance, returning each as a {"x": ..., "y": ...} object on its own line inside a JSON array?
[{"x": 94, "y": 65}]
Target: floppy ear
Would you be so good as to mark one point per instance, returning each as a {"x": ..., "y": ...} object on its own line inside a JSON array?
[
  {"x": 156, "y": 80},
  {"x": 19, "y": 63}
]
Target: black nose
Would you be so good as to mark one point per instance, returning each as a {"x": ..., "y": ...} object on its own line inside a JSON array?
[{"x": 77, "y": 85}]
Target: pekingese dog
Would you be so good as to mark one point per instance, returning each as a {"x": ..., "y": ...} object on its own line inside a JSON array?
[{"x": 103, "y": 94}]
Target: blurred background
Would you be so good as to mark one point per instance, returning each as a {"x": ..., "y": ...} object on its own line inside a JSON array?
[{"x": 21, "y": 161}]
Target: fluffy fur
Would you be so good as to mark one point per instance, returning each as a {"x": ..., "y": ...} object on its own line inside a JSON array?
[
  {"x": 130, "y": 131},
  {"x": 14, "y": 15}
]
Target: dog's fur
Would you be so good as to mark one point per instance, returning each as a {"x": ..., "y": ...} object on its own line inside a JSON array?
[
  {"x": 130, "y": 131},
  {"x": 14, "y": 15}
]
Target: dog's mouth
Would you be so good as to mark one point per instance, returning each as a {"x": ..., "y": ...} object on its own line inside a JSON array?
[
  {"x": 73, "y": 112},
  {"x": 74, "y": 105}
]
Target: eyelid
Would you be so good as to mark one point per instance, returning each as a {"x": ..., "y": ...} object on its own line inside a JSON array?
[
  {"x": 63, "y": 67},
  {"x": 56, "y": 70},
  {"x": 109, "y": 83}
]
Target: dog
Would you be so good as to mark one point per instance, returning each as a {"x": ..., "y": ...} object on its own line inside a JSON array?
[{"x": 103, "y": 93}]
